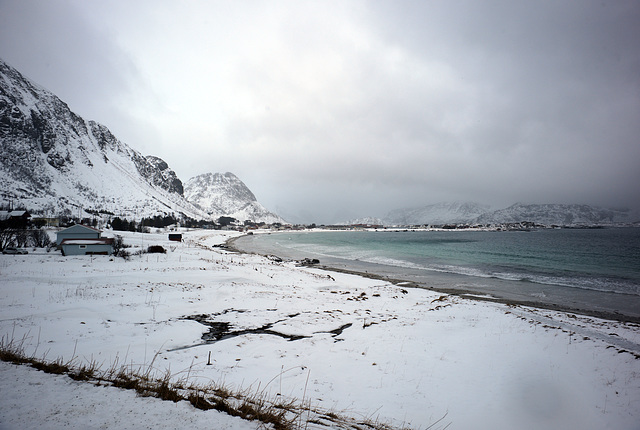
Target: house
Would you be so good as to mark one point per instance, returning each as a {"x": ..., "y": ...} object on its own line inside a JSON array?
[
  {"x": 15, "y": 219},
  {"x": 15, "y": 215},
  {"x": 102, "y": 246},
  {"x": 78, "y": 231},
  {"x": 83, "y": 240}
]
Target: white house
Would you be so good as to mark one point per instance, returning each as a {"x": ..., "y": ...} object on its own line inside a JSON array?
[{"x": 82, "y": 240}]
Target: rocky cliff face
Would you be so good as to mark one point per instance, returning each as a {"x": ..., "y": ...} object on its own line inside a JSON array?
[
  {"x": 224, "y": 194},
  {"x": 52, "y": 160},
  {"x": 157, "y": 171}
]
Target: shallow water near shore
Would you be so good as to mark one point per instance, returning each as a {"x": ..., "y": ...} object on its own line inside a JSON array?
[{"x": 592, "y": 271}]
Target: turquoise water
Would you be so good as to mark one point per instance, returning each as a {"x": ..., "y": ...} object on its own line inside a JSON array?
[{"x": 585, "y": 268}]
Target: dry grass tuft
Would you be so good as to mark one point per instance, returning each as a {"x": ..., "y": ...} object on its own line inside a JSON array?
[
  {"x": 198, "y": 401},
  {"x": 56, "y": 367},
  {"x": 278, "y": 413}
]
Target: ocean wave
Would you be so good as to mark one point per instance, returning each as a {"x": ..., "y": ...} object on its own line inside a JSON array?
[
  {"x": 387, "y": 261},
  {"x": 606, "y": 285}
]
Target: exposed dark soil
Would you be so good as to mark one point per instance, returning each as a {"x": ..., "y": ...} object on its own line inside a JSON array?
[
  {"x": 338, "y": 331},
  {"x": 221, "y": 330}
]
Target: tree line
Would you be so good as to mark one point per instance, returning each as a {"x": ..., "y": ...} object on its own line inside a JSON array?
[
  {"x": 159, "y": 221},
  {"x": 21, "y": 233}
]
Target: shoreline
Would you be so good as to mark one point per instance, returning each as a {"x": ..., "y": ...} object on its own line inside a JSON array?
[
  {"x": 460, "y": 292},
  {"x": 394, "y": 356}
]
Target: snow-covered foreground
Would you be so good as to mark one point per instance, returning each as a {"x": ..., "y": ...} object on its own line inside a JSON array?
[{"x": 355, "y": 346}]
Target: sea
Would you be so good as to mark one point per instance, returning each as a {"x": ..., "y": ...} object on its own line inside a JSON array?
[{"x": 589, "y": 271}]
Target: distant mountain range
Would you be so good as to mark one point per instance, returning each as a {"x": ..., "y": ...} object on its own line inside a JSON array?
[
  {"x": 545, "y": 214},
  {"x": 440, "y": 213},
  {"x": 559, "y": 214},
  {"x": 54, "y": 162}
]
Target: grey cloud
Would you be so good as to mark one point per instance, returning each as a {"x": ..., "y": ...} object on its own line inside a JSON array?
[
  {"x": 58, "y": 46},
  {"x": 361, "y": 107}
]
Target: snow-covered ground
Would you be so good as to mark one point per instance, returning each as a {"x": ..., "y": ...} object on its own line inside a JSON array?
[{"x": 362, "y": 347}]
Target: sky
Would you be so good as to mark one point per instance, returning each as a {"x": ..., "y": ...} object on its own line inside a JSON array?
[{"x": 333, "y": 110}]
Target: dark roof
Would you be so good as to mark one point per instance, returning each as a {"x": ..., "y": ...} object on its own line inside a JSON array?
[{"x": 14, "y": 214}]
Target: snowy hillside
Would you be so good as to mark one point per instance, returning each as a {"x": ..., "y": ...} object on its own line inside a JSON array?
[
  {"x": 544, "y": 214},
  {"x": 557, "y": 214},
  {"x": 439, "y": 213},
  {"x": 54, "y": 162},
  {"x": 225, "y": 194}
]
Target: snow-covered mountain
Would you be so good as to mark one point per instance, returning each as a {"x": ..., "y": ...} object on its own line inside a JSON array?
[
  {"x": 557, "y": 214},
  {"x": 437, "y": 214},
  {"x": 224, "y": 194},
  {"x": 544, "y": 214},
  {"x": 54, "y": 162}
]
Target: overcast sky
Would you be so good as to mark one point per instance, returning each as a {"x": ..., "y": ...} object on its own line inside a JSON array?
[{"x": 331, "y": 110}]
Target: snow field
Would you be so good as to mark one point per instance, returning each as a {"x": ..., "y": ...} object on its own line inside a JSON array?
[{"x": 368, "y": 348}]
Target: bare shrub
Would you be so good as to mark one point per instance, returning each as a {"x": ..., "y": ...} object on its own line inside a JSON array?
[
  {"x": 21, "y": 238},
  {"x": 40, "y": 238},
  {"x": 119, "y": 247},
  {"x": 156, "y": 249},
  {"x": 6, "y": 237}
]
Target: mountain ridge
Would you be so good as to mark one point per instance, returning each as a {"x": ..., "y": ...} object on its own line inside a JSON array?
[
  {"x": 558, "y": 214},
  {"x": 549, "y": 214},
  {"x": 438, "y": 213},
  {"x": 55, "y": 162}
]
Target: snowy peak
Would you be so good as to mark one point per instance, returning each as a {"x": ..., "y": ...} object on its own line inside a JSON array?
[
  {"x": 53, "y": 161},
  {"x": 217, "y": 193},
  {"x": 224, "y": 194},
  {"x": 224, "y": 191}
]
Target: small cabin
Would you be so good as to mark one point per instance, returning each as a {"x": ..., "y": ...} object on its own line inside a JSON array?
[
  {"x": 176, "y": 237},
  {"x": 83, "y": 240}
]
